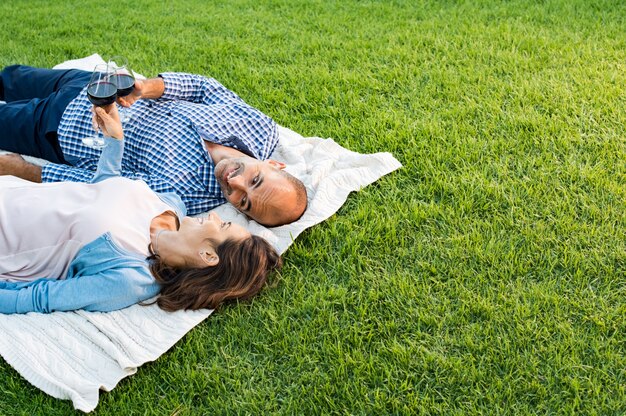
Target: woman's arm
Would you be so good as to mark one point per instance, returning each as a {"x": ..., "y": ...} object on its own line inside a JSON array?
[
  {"x": 105, "y": 291},
  {"x": 110, "y": 162}
]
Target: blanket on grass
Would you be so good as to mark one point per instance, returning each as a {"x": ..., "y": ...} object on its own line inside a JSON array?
[{"x": 73, "y": 355}]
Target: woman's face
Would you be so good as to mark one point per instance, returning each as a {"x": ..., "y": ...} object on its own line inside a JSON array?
[{"x": 198, "y": 230}]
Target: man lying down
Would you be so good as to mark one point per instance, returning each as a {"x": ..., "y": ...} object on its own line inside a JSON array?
[{"x": 118, "y": 234}]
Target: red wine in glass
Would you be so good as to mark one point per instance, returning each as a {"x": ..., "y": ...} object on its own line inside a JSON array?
[
  {"x": 125, "y": 83},
  {"x": 122, "y": 76},
  {"x": 102, "y": 93}
]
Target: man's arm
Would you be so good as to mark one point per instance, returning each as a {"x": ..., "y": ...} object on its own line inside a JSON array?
[
  {"x": 239, "y": 125},
  {"x": 197, "y": 89},
  {"x": 14, "y": 164},
  {"x": 181, "y": 86},
  {"x": 152, "y": 88}
]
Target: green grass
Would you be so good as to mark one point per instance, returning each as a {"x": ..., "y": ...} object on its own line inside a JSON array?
[{"x": 487, "y": 276}]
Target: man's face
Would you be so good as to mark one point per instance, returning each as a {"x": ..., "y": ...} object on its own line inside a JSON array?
[{"x": 258, "y": 189}]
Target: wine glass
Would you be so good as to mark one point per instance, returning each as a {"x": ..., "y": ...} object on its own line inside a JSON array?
[
  {"x": 124, "y": 80},
  {"x": 101, "y": 92}
]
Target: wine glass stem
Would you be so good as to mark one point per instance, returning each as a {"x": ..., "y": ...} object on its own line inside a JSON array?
[{"x": 124, "y": 114}]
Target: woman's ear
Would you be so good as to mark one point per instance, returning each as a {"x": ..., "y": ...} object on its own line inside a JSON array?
[{"x": 209, "y": 257}]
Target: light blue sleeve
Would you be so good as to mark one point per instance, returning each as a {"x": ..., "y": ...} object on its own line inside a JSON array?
[
  {"x": 110, "y": 162},
  {"x": 109, "y": 290}
]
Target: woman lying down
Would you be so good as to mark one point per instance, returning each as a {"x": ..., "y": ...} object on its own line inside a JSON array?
[{"x": 114, "y": 242}]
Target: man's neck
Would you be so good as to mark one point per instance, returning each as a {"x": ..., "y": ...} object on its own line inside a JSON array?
[{"x": 220, "y": 152}]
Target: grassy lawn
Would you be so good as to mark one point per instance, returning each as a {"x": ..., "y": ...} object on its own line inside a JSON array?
[{"x": 488, "y": 276}]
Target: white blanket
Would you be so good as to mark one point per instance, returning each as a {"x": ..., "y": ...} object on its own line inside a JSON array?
[{"x": 72, "y": 355}]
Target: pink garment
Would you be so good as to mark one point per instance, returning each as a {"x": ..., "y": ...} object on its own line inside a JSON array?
[{"x": 43, "y": 226}]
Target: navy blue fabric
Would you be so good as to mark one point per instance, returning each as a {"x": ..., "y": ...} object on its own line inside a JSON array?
[{"x": 35, "y": 101}]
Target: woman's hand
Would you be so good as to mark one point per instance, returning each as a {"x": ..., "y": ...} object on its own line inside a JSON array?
[{"x": 108, "y": 120}]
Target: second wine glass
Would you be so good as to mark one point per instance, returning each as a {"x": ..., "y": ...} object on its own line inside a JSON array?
[{"x": 124, "y": 80}]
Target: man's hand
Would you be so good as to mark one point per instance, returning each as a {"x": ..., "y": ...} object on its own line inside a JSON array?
[
  {"x": 14, "y": 164},
  {"x": 131, "y": 98},
  {"x": 152, "y": 88},
  {"x": 108, "y": 119}
]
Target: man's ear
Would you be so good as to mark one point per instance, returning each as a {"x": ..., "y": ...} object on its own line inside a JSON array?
[
  {"x": 209, "y": 257},
  {"x": 276, "y": 164}
]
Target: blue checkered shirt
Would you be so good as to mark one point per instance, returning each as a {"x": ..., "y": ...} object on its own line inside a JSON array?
[{"x": 164, "y": 139}]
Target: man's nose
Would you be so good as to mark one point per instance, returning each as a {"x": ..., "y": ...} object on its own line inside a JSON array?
[{"x": 236, "y": 182}]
